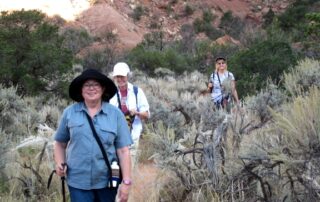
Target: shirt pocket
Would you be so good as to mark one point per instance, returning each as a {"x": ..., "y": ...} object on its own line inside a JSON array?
[
  {"x": 76, "y": 127},
  {"x": 108, "y": 135}
]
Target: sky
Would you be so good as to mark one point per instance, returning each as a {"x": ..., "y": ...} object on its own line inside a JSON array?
[{"x": 67, "y": 9}]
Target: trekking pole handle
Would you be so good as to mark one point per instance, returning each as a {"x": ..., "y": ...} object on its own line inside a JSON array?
[{"x": 63, "y": 166}]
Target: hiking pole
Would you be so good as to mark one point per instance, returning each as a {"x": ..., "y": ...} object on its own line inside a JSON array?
[{"x": 62, "y": 182}]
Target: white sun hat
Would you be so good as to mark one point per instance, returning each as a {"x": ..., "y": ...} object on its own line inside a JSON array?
[{"x": 121, "y": 69}]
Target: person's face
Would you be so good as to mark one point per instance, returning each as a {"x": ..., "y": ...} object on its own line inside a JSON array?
[
  {"x": 92, "y": 90},
  {"x": 121, "y": 81},
  {"x": 221, "y": 64}
]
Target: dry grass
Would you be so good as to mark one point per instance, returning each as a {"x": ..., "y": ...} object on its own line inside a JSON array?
[{"x": 267, "y": 151}]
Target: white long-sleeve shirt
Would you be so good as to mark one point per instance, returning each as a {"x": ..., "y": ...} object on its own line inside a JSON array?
[{"x": 140, "y": 105}]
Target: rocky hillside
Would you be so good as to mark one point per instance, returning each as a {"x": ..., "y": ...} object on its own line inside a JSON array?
[{"x": 120, "y": 16}]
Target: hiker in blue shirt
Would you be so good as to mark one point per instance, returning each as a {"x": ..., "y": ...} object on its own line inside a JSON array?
[
  {"x": 76, "y": 151},
  {"x": 132, "y": 102},
  {"x": 217, "y": 86}
]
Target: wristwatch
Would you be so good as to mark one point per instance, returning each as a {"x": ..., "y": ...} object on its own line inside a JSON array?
[{"x": 127, "y": 182}]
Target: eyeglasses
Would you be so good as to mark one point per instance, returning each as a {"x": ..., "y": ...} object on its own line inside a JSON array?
[{"x": 93, "y": 85}]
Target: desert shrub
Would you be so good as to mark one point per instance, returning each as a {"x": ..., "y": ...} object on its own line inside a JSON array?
[
  {"x": 232, "y": 25},
  {"x": 263, "y": 102},
  {"x": 28, "y": 171},
  {"x": 253, "y": 35},
  {"x": 207, "y": 153},
  {"x": 264, "y": 60},
  {"x": 268, "y": 18},
  {"x": 99, "y": 59},
  {"x": 293, "y": 20},
  {"x": 187, "y": 43},
  {"x": 311, "y": 45},
  {"x": 76, "y": 39},
  {"x": 313, "y": 28},
  {"x": 154, "y": 41},
  {"x": 138, "y": 12},
  {"x": 16, "y": 117},
  {"x": 290, "y": 144},
  {"x": 147, "y": 60},
  {"x": 4, "y": 148},
  {"x": 26, "y": 159},
  {"x": 188, "y": 10},
  {"x": 211, "y": 31},
  {"x": 205, "y": 25},
  {"x": 175, "y": 61},
  {"x": 207, "y": 16},
  {"x": 305, "y": 74}
]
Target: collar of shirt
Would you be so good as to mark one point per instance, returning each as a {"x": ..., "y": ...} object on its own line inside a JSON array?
[{"x": 82, "y": 107}]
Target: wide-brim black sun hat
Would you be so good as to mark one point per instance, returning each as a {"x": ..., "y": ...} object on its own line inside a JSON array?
[{"x": 75, "y": 88}]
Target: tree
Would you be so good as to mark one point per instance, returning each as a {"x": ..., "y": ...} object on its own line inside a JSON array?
[
  {"x": 268, "y": 18},
  {"x": 313, "y": 28},
  {"x": 31, "y": 53},
  {"x": 262, "y": 61}
]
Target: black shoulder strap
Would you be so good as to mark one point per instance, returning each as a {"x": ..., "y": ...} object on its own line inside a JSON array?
[
  {"x": 119, "y": 102},
  {"x": 135, "y": 90},
  {"x": 218, "y": 77},
  {"x": 104, "y": 154}
]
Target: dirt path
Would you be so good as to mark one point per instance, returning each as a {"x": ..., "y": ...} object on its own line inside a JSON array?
[{"x": 144, "y": 178}]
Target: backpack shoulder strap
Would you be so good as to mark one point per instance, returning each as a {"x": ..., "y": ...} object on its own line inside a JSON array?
[
  {"x": 218, "y": 78},
  {"x": 135, "y": 90},
  {"x": 119, "y": 102}
]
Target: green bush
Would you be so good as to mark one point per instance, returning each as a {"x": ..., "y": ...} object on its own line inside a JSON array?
[
  {"x": 31, "y": 53},
  {"x": 294, "y": 21},
  {"x": 149, "y": 60},
  {"x": 145, "y": 60},
  {"x": 175, "y": 61},
  {"x": 268, "y": 18},
  {"x": 207, "y": 16},
  {"x": 205, "y": 25},
  {"x": 76, "y": 39},
  {"x": 262, "y": 61},
  {"x": 188, "y": 10},
  {"x": 138, "y": 12},
  {"x": 232, "y": 25},
  {"x": 211, "y": 31},
  {"x": 100, "y": 59}
]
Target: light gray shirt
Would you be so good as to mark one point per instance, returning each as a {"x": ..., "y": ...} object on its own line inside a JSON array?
[{"x": 216, "y": 94}]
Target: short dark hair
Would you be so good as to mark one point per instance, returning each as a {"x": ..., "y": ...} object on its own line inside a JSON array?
[{"x": 220, "y": 58}]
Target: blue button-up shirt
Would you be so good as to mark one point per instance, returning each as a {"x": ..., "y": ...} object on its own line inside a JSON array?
[{"x": 86, "y": 166}]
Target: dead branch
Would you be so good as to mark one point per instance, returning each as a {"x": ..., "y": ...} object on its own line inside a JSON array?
[{"x": 184, "y": 113}]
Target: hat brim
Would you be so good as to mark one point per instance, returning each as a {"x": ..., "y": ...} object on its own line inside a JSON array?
[
  {"x": 120, "y": 73},
  {"x": 75, "y": 88}
]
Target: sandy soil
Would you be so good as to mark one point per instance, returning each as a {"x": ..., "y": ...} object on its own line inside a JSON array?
[{"x": 144, "y": 178}]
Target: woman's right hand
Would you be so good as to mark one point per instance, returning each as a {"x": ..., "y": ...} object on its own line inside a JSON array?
[
  {"x": 61, "y": 169},
  {"x": 210, "y": 86}
]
